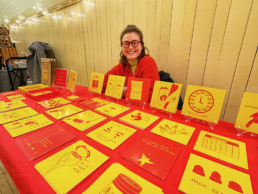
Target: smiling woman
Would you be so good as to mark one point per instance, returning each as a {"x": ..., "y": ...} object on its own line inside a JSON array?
[{"x": 134, "y": 62}]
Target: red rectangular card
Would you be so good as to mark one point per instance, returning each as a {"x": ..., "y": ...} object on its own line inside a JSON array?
[
  {"x": 60, "y": 77},
  {"x": 91, "y": 103},
  {"x": 41, "y": 142},
  {"x": 153, "y": 155},
  {"x": 138, "y": 89}
]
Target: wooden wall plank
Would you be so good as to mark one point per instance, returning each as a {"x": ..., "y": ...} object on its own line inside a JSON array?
[
  {"x": 115, "y": 43},
  {"x": 135, "y": 9},
  {"x": 186, "y": 38},
  {"x": 177, "y": 22},
  {"x": 218, "y": 32},
  {"x": 128, "y": 12},
  {"x": 108, "y": 35},
  {"x": 235, "y": 31},
  {"x": 244, "y": 65},
  {"x": 201, "y": 38},
  {"x": 253, "y": 79},
  {"x": 165, "y": 32},
  {"x": 143, "y": 17}
]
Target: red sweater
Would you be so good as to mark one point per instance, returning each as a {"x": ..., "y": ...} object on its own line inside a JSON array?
[{"x": 146, "y": 68}]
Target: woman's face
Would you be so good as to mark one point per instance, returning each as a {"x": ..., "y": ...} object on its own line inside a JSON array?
[{"x": 132, "y": 53}]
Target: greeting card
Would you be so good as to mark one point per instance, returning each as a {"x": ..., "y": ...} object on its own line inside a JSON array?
[
  {"x": 96, "y": 82},
  {"x": 27, "y": 125},
  {"x": 64, "y": 111},
  {"x": 67, "y": 168},
  {"x": 54, "y": 102},
  {"x": 7, "y": 106},
  {"x": 153, "y": 155},
  {"x": 165, "y": 96},
  {"x": 139, "y": 119},
  {"x": 112, "y": 109},
  {"x": 247, "y": 118},
  {"x": 208, "y": 177},
  {"x": 60, "y": 77},
  {"x": 16, "y": 97},
  {"x": 174, "y": 131},
  {"x": 72, "y": 80},
  {"x": 223, "y": 148},
  {"x": 115, "y": 86},
  {"x": 94, "y": 103},
  {"x": 84, "y": 120},
  {"x": 15, "y": 115},
  {"x": 118, "y": 179},
  {"x": 36, "y": 144},
  {"x": 203, "y": 103},
  {"x": 138, "y": 89},
  {"x": 112, "y": 134}
]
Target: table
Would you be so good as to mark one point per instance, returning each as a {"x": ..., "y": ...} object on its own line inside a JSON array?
[{"x": 28, "y": 180}]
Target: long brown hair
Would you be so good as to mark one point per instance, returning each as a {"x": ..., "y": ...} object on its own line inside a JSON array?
[{"x": 129, "y": 29}]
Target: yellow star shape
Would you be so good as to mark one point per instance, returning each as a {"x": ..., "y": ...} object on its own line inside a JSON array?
[{"x": 144, "y": 160}]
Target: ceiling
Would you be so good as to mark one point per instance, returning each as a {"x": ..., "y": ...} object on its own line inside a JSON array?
[{"x": 12, "y": 9}]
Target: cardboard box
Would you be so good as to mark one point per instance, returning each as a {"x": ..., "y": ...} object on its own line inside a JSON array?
[{"x": 47, "y": 71}]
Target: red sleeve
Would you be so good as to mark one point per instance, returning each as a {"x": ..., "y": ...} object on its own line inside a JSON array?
[{"x": 149, "y": 70}]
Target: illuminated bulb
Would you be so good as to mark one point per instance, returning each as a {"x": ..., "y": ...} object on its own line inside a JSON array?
[
  {"x": 49, "y": 13},
  {"x": 6, "y": 20},
  {"x": 60, "y": 16},
  {"x": 53, "y": 16},
  {"x": 79, "y": 14},
  {"x": 72, "y": 12},
  {"x": 34, "y": 7},
  {"x": 91, "y": 4},
  {"x": 84, "y": 2},
  {"x": 40, "y": 9},
  {"x": 44, "y": 12}
]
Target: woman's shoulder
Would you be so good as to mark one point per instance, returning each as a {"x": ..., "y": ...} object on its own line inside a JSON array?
[{"x": 147, "y": 59}]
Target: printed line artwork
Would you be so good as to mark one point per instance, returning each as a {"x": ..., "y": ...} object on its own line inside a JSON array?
[
  {"x": 136, "y": 117},
  {"x": 221, "y": 146},
  {"x": 253, "y": 120},
  {"x": 201, "y": 101},
  {"x": 54, "y": 102},
  {"x": 173, "y": 130},
  {"x": 144, "y": 160},
  {"x": 115, "y": 86},
  {"x": 122, "y": 184},
  {"x": 96, "y": 82},
  {"x": 136, "y": 90}
]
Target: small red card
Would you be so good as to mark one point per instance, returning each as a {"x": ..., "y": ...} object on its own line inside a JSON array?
[
  {"x": 94, "y": 103},
  {"x": 41, "y": 142},
  {"x": 154, "y": 156},
  {"x": 60, "y": 77},
  {"x": 138, "y": 89}
]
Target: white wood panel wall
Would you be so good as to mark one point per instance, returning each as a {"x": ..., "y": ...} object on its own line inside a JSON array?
[{"x": 207, "y": 43}]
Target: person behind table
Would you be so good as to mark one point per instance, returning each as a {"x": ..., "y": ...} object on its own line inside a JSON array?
[{"x": 134, "y": 62}]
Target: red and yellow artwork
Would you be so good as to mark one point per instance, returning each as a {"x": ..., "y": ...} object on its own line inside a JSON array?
[
  {"x": 115, "y": 86},
  {"x": 96, "y": 82},
  {"x": 72, "y": 80},
  {"x": 54, "y": 102},
  {"x": 7, "y": 106}
]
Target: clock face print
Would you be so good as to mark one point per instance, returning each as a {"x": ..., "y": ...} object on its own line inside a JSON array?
[{"x": 201, "y": 101}]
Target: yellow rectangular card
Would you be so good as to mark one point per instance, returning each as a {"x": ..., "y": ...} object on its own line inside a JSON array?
[
  {"x": 54, "y": 102},
  {"x": 42, "y": 92},
  {"x": 204, "y": 176},
  {"x": 7, "y": 106},
  {"x": 64, "y": 111},
  {"x": 84, "y": 120},
  {"x": 15, "y": 115},
  {"x": 203, "y": 103},
  {"x": 247, "y": 118},
  {"x": 72, "y": 97},
  {"x": 115, "y": 86},
  {"x": 67, "y": 168},
  {"x": 223, "y": 148},
  {"x": 96, "y": 82},
  {"x": 72, "y": 80},
  {"x": 139, "y": 119},
  {"x": 112, "y": 109},
  {"x": 174, "y": 131},
  {"x": 117, "y": 180},
  {"x": 112, "y": 134},
  {"x": 27, "y": 125},
  {"x": 165, "y": 96},
  {"x": 16, "y": 97}
]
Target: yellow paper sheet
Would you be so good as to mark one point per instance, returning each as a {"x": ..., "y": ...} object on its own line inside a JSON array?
[
  {"x": 15, "y": 115},
  {"x": 136, "y": 90},
  {"x": 174, "y": 131},
  {"x": 7, "y": 106},
  {"x": 72, "y": 97},
  {"x": 40, "y": 93},
  {"x": 203, "y": 103},
  {"x": 112, "y": 134},
  {"x": 112, "y": 109},
  {"x": 223, "y": 148},
  {"x": 72, "y": 80},
  {"x": 96, "y": 82},
  {"x": 139, "y": 119},
  {"x": 203, "y": 176},
  {"x": 84, "y": 120},
  {"x": 102, "y": 184},
  {"x": 64, "y": 111},
  {"x": 67, "y": 168},
  {"x": 27, "y": 125},
  {"x": 54, "y": 102},
  {"x": 165, "y": 96},
  {"x": 247, "y": 118},
  {"x": 115, "y": 86},
  {"x": 16, "y": 97}
]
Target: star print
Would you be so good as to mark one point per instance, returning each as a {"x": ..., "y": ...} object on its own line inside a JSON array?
[{"x": 144, "y": 160}]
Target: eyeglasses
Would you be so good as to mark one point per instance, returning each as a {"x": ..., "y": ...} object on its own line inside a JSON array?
[{"x": 134, "y": 44}]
